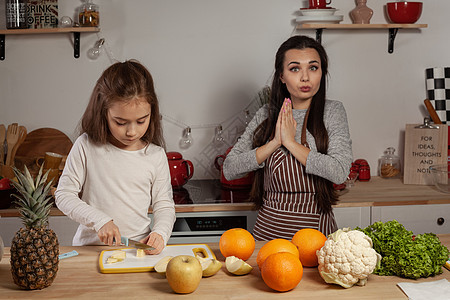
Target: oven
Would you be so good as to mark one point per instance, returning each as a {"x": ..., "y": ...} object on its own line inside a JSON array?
[{"x": 207, "y": 227}]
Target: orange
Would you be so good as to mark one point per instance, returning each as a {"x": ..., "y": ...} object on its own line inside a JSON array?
[
  {"x": 308, "y": 241},
  {"x": 274, "y": 246},
  {"x": 237, "y": 242},
  {"x": 282, "y": 271}
]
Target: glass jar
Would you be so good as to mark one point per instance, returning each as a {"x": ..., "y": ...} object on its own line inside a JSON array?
[
  {"x": 390, "y": 164},
  {"x": 89, "y": 15}
]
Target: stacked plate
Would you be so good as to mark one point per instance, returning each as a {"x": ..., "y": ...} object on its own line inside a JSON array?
[{"x": 319, "y": 15}]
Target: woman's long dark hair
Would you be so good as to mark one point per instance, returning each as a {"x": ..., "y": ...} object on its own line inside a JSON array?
[{"x": 325, "y": 193}]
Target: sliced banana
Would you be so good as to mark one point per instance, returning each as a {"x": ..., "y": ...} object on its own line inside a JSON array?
[{"x": 237, "y": 266}]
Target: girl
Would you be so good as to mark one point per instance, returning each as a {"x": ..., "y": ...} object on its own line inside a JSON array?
[
  {"x": 117, "y": 168},
  {"x": 299, "y": 143}
]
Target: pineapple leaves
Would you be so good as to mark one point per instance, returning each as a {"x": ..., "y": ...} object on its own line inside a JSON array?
[{"x": 34, "y": 197}]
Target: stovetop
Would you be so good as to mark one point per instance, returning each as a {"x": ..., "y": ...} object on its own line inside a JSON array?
[{"x": 209, "y": 191}]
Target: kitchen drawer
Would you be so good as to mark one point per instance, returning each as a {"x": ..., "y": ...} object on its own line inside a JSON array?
[
  {"x": 419, "y": 219},
  {"x": 352, "y": 216}
]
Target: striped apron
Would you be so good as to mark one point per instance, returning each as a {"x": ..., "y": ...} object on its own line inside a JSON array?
[{"x": 289, "y": 202}]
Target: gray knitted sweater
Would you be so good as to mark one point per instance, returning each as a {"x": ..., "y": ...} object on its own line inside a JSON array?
[{"x": 334, "y": 166}]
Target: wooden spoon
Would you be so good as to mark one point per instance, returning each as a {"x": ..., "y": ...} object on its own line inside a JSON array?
[
  {"x": 12, "y": 136},
  {"x": 434, "y": 116},
  {"x": 22, "y": 136},
  {"x": 2, "y": 143}
]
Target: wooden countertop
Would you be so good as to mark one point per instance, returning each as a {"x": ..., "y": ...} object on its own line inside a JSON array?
[
  {"x": 79, "y": 277},
  {"x": 387, "y": 192},
  {"x": 376, "y": 192}
]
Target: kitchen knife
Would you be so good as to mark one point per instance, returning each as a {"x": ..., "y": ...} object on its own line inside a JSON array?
[{"x": 127, "y": 242}]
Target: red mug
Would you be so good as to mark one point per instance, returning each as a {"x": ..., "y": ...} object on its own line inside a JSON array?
[
  {"x": 181, "y": 170},
  {"x": 319, "y": 3}
]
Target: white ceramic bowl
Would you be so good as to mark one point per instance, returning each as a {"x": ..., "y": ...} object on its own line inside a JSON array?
[
  {"x": 318, "y": 12},
  {"x": 441, "y": 177}
]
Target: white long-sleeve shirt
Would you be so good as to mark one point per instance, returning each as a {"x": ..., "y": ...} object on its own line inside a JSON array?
[{"x": 101, "y": 183}]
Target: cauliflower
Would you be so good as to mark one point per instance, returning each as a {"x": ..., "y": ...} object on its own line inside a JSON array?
[{"x": 347, "y": 258}]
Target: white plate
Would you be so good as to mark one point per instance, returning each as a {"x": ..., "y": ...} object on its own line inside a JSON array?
[
  {"x": 321, "y": 20},
  {"x": 318, "y": 12}
]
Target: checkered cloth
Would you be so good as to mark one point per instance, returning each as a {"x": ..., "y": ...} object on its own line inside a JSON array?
[{"x": 438, "y": 90}]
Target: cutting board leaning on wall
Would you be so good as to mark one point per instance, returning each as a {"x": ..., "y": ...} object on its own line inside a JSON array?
[{"x": 37, "y": 143}]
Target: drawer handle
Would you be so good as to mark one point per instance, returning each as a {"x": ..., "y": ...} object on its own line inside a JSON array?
[{"x": 440, "y": 221}]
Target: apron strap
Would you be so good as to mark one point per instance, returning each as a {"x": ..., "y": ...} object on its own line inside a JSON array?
[{"x": 303, "y": 136}]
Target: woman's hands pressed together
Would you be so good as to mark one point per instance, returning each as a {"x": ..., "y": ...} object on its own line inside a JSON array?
[
  {"x": 288, "y": 128},
  {"x": 287, "y": 124},
  {"x": 285, "y": 131}
]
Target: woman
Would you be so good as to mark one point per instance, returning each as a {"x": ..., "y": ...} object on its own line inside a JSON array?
[{"x": 299, "y": 144}]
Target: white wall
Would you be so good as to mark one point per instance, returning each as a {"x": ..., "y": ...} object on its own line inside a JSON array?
[{"x": 210, "y": 57}]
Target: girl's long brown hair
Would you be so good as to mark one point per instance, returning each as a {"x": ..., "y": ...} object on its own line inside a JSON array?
[
  {"x": 325, "y": 194},
  {"x": 123, "y": 81}
]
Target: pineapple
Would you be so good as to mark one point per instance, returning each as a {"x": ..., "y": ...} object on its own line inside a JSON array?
[{"x": 35, "y": 248}]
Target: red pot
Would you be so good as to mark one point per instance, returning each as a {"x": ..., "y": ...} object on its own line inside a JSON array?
[
  {"x": 240, "y": 183},
  {"x": 181, "y": 170}
]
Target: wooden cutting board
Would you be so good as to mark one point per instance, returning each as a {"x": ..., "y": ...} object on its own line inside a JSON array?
[
  {"x": 37, "y": 143},
  {"x": 146, "y": 264}
]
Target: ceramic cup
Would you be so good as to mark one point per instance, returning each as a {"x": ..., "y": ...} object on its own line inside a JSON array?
[
  {"x": 51, "y": 160},
  {"x": 319, "y": 3},
  {"x": 52, "y": 174}
]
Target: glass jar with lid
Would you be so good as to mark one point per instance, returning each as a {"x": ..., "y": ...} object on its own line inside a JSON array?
[
  {"x": 390, "y": 164},
  {"x": 89, "y": 15}
]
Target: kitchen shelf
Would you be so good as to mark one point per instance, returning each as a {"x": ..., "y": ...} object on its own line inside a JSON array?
[
  {"x": 393, "y": 29},
  {"x": 75, "y": 30}
]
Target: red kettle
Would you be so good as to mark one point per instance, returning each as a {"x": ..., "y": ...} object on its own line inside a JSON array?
[
  {"x": 240, "y": 183},
  {"x": 181, "y": 170}
]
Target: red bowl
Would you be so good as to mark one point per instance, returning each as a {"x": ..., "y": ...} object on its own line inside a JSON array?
[{"x": 404, "y": 12}]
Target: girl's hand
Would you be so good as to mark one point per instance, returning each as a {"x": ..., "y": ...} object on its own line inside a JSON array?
[
  {"x": 156, "y": 241},
  {"x": 109, "y": 234},
  {"x": 288, "y": 124}
]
